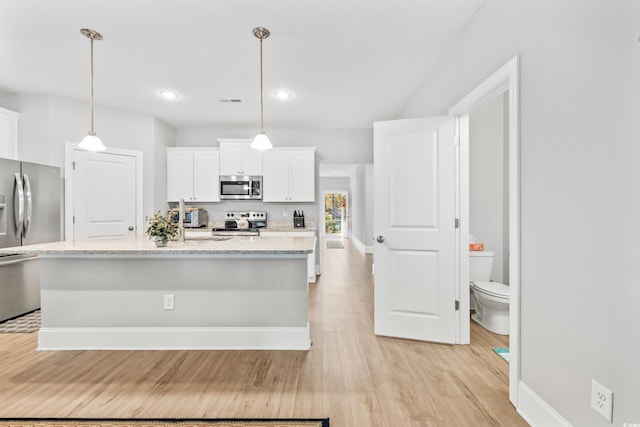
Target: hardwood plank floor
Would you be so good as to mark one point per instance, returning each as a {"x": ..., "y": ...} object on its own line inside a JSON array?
[{"x": 349, "y": 375}]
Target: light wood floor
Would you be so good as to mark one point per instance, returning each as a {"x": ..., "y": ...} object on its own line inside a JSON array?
[{"x": 349, "y": 375}]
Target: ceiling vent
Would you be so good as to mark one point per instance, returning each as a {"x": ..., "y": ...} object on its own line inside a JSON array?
[{"x": 233, "y": 100}]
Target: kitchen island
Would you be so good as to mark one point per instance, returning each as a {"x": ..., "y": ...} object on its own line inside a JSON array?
[{"x": 231, "y": 293}]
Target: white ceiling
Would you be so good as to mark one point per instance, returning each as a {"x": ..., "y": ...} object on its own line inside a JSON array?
[{"x": 347, "y": 62}]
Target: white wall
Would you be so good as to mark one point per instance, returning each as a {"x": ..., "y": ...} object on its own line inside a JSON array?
[
  {"x": 488, "y": 175},
  {"x": 357, "y": 202},
  {"x": 47, "y": 122},
  {"x": 163, "y": 136},
  {"x": 369, "y": 195},
  {"x": 33, "y": 125},
  {"x": 361, "y": 189},
  {"x": 580, "y": 195}
]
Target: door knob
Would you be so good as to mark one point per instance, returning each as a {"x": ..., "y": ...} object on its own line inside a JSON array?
[
  {"x": 131, "y": 228},
  {"x": 380, "y": 239}
]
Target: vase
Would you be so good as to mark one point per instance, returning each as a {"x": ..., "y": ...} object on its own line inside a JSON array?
[{"x": 160, "y": 242}]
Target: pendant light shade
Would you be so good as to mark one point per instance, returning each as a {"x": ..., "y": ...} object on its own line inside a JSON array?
[
  {"x": 261, "y": 141},
  {"x": 91, "y": 142}
]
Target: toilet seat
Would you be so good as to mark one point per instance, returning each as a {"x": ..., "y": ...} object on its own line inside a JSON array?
[{"x": 494, "y": 289}]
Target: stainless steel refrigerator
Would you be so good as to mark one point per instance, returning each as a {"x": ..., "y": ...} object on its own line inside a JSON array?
[{"x": 29, "y": 214}]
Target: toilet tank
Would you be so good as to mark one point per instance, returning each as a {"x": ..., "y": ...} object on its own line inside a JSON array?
[{"x": 480, "y": 266}]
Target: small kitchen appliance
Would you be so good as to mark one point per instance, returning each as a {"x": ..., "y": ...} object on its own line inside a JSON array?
[
  {"x": 239, "y": 187},
  {"x": 193, "y": 217}
]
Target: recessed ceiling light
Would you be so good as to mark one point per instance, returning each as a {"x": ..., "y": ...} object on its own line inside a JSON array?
[
  {"x": 283, "y": 94},
  {"x": 166, "y": 94}
]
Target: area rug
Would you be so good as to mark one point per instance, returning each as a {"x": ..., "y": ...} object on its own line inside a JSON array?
[
  {"x": 161, "y": 422},
  {"x": 334, "y": 244},
  {"x": 502, "y": 352},
  {"x": 24, "y": 324}
]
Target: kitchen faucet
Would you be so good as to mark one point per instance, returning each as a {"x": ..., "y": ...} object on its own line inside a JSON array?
[{"x": 181, "y": 222}]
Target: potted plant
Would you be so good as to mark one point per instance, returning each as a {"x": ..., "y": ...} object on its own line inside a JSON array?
[{"x": 161, "y": 228}]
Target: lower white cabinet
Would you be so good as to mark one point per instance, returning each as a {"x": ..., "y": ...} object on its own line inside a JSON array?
[
  {"x": 193, "y": 174},
  {"x": 311, "y": 258}
]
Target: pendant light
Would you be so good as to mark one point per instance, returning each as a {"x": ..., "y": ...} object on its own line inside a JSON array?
[
  {"x": 261, "y": 141},
  {"x": 91, "y": 142}
]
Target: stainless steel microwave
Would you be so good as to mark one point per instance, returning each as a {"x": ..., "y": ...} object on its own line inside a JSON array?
[{"x": 240, "y": 187}]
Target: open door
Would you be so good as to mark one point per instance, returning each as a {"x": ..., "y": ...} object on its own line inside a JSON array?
[{"x": 415, "y": 225}]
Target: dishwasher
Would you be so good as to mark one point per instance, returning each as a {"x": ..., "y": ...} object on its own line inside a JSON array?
[{"x": 19, "y": 285}]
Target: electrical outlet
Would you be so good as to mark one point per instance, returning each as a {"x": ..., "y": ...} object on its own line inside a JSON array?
[
  {"x": 169, "y": 302},
  {"x": 602, "y": 400}
]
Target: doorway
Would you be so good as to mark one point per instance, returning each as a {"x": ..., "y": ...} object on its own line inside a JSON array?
[
  {"x": 103, "y": 193},
  {"x": 335, "y": 215},
  {"x": 503, "y": 83},
  {"x": 399, "y": 243}
]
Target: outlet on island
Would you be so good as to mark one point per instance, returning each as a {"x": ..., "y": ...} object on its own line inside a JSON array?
[{"x": 169, "y": 301}]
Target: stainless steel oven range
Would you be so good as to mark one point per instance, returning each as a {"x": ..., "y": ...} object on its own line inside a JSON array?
[{"x": 242, "y": 224}]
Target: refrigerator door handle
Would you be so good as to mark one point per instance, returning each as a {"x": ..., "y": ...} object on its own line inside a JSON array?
[
  {"x": 18, "y": 208},
  {"x": 29, "y": 207}
]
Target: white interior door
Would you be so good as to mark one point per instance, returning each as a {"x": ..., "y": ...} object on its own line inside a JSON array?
[
  {"x": 104, "y": 195},
  {"x": 414, "y": 219}
]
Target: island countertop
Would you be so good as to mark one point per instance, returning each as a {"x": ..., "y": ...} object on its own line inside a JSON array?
[{"x": 253, "y": 245}]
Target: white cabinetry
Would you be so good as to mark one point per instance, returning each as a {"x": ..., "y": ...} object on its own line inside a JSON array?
[
  {"x": 311, "y": 258},
  {"x": 238, "y": 158},
  {"x": 8, "y": 134},
  {"x": 289, "y": 175},
  {"x": 193, "y": 174}
]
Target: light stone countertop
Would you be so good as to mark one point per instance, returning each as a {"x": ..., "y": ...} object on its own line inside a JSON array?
[
  {"x": 142, "y": 246},
  {"x": 288, "y": 226}
]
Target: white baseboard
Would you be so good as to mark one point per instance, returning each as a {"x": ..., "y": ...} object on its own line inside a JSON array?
[
  {"x": 361, "y": 246},
  {"x": 172, "y": 338},
  {"x": 536, "y": 411},
  {"x": 358, "y": 244}
]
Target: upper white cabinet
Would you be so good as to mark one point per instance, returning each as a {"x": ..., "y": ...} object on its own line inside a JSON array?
[
  {"x": 193, "y": 174},
  {"x": 289, "y": 175},
  {"x": 238, "y": 158},
  {"x": 8, "y": 134}
]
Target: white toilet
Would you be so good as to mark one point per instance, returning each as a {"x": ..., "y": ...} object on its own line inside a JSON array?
[{"x": 491, "y": 298}]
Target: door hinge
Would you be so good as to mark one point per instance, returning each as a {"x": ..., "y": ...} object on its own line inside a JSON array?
[
  {"x": 456, "y": 140},
  {"x": 73, "y": 164},
  {"x": 457, "y": 305},
  {"x": 73, "y": 219},
  {"x": 457, "y": 223}
]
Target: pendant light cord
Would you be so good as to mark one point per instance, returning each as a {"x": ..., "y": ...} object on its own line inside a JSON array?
[
  {"x": 92, "y": 131},
  {"x": 261, "y": 93}
]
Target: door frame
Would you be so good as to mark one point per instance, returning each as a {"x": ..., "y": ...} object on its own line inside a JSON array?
[
  {"x": 69, "y": 149},
  {"x": 505, "y": 79}
]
